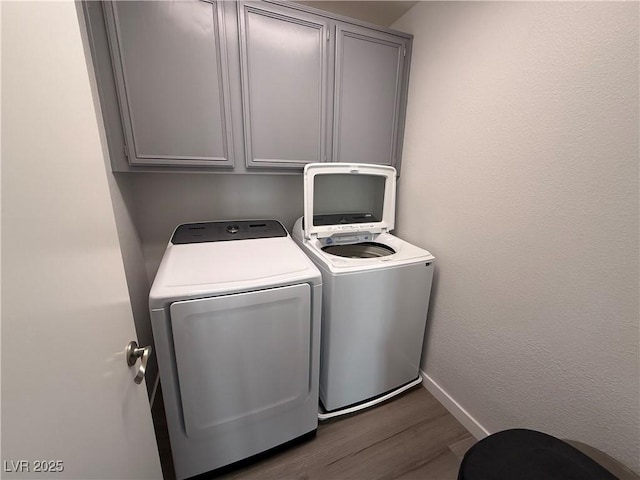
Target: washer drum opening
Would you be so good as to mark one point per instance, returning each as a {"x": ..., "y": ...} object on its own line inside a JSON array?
[{"x": 360, "y": 250}]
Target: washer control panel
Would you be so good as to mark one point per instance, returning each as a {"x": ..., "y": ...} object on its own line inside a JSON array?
[
  {"x": 225, "y": 231},
  {"x": 341, "y": 221},
  {"x": 347, "y": 239}
]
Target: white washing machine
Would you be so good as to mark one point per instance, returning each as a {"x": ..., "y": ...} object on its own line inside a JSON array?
[
  {"x": 235, "y": 313},
  {"x": 376, "y": 286}
]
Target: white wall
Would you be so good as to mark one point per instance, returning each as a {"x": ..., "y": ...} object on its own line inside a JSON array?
[{"x": 520, "y": 174}]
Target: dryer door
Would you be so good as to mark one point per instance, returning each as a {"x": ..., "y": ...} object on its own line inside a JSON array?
[{"x": 242, "y": 357}]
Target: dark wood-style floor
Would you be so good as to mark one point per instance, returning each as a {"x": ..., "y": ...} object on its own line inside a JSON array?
[{"x": 410, "y": 437}]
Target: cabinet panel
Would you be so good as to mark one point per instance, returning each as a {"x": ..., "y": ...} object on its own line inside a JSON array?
[
  {"x": 170, "y": 65},
  {"x": 284, "y": 71},
  {"x": 369, "y": 82}
]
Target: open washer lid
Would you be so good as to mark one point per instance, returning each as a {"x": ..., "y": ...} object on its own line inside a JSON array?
[{"x": 347, "y": 223}]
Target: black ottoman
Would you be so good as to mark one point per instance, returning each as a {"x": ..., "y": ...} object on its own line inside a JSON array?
[{"x": 521, "y": 454}]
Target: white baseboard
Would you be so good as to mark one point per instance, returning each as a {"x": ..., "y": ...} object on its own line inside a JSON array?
[{"x": 454, "y": 407}]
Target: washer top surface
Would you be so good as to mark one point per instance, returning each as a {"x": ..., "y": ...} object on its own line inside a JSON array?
[
  {"x": 359, "y": 250},
  {"x": 404, "y": 253},
  {"x": 207, "y": 268}
]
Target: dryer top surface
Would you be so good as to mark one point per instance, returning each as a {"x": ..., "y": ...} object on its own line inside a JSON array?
[{"x": 197, "y": 270}]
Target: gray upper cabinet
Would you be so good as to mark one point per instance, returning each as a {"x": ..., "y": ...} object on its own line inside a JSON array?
[
  {"x": 245, "y": 87},
  {"x": 284, "y": 68},
  {"x": 170, "y": 66},
  {"x": 369, "y": 95}
]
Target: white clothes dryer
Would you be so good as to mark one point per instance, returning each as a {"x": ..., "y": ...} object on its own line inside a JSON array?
[
  {"x": 376, "y": 286},
  {"x": 235, "y": 313}
]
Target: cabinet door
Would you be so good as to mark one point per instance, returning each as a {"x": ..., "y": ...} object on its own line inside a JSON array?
[
  {"x": 284, "y": 76},
  {"x": 370, "y": 84},
  {"x": 170, "y": 63}
]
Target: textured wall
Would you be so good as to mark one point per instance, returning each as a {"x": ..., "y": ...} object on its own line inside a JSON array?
[{"x": 520, "y": 174}]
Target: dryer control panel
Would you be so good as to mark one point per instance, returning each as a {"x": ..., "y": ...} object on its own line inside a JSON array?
[{"x": 225, "y": 231}]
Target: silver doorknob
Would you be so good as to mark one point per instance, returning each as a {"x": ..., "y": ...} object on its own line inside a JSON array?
[{"x": 132, "y": 353}]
